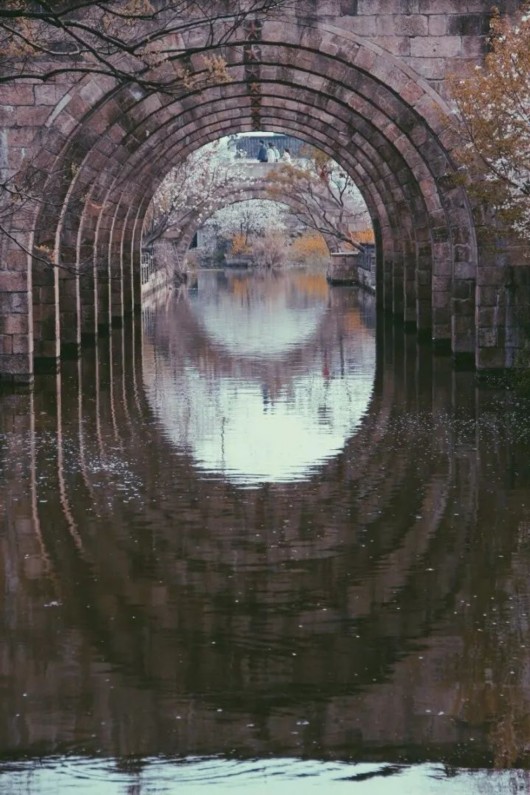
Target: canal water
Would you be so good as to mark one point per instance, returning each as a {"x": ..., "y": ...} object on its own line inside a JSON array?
[{"x": 257, "y": 542}]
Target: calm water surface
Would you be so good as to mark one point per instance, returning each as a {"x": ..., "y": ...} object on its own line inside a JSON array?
[{"x": 255, "y": 543}]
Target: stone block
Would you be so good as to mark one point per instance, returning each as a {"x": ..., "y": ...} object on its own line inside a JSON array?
[
  {"x": 6, "y": 344},
  {"x": 487, "y": 337},
  {"x": 465, "y": 270},
  {"x": 441, "y": 332},
  {"x": 489, "y": 276},
  {"x": 461, "y": 234},
  {"x": 14, "y": 324},
  {"x": 490, "y": 358},
  {"x": 461, "y": 327},
  {"x": 474, "y": 46},
  {"x": 385, "y": 25},
  {"x": 440, "y": 298},
  {"x": 22, "y": 343},
  {"x": 486, "y": 317},
  {"x": 16, "y": 303},
  {"x": 49, "y": 94},
  {"x": 364, "y": 26},
  {"x": 487, "y": 296},
  {"x": 19, "y": 94},
  {"x": 468, "y": 25},
  {"x": 438, "y": 24},
  {"x": 21, "y": 137},
  {"x": 443, "y": 255},
  {"x": 408, "y": 25},
  {"x": 436, "y": 46},
  {"x": 432, "y": 69},
  {"x": 92, "y": 91},
  {"x": 440, "y": 234},
  {"x": 13, "y": 281},
  {"x": 48, "y": 349},
  {"x": 411, "y": 92},
  {"x": 451, "y": 6},
  {"x": 463, "y": 290},
  {"x": 441, "y": 284},
  {"x": 19, "y": 364},
  {"x": 365, "y": 59},
  {"x": 376, "y": 7},
  {"x": 31, "y": 118},
  {"x": 462, "y": 253}
]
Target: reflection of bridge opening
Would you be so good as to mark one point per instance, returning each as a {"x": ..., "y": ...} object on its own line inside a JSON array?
[
  {"x": 102, "y": 150},
  {"x": 266, "y": 379},
  {"x": 144, "y": 645}
]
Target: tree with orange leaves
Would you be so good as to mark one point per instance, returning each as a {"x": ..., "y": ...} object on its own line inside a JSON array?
[{"x": 494, "y": 122}]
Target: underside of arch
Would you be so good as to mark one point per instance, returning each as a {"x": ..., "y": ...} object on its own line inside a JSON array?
[{"x": 109, "y": 148}]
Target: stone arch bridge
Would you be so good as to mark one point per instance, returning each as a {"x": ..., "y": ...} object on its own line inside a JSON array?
[
  {"x": 363, "y": 80},
  {"x": 252, "y": 183}
]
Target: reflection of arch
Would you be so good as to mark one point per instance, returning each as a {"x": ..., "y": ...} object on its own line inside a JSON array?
[
  {"x": 203, "y": 341},
  {"x": 289, "y": 347},
  {"x": 190, "y": 550},
  {"x": 343, "y": 93}
]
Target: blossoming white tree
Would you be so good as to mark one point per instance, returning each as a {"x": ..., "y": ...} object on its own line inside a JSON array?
[
  {"x": 190, "y": 189},
  {"x": 257, "y": 228},
  {"x": 250, "y": 218}
]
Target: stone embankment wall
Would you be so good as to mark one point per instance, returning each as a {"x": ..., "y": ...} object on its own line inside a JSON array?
[{"x": 357, "y": 268}]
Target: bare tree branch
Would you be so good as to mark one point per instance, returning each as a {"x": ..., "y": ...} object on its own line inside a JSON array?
[{"x": 328, "y": 199}]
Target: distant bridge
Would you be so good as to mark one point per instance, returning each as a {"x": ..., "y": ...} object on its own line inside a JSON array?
[{"x": 254, "y": 184}]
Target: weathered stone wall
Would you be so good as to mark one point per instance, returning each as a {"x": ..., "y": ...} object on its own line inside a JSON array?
[
  {"x": 362, "y": 79},
  {"x": 432, "y": 36}
]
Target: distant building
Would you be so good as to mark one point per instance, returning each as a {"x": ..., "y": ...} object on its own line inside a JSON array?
[{"x": 248, "y": 145}]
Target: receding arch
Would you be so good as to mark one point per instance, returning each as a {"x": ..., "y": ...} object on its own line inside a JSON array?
[
  {"x": 229, "y": 197},
  {"x": 107, "y": 148}
]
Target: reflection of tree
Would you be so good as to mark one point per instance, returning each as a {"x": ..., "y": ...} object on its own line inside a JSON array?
[
  {"x": 312, "y": 285},
  {"x": 274, "y": 295}
]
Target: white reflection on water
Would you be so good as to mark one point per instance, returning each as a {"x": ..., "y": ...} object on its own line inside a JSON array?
[
  {"x": 257, "y": 776},
  {"x": 284, "y": 385}
]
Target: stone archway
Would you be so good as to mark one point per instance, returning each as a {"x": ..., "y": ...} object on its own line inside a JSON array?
[{"x": 101, "y": 151}]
